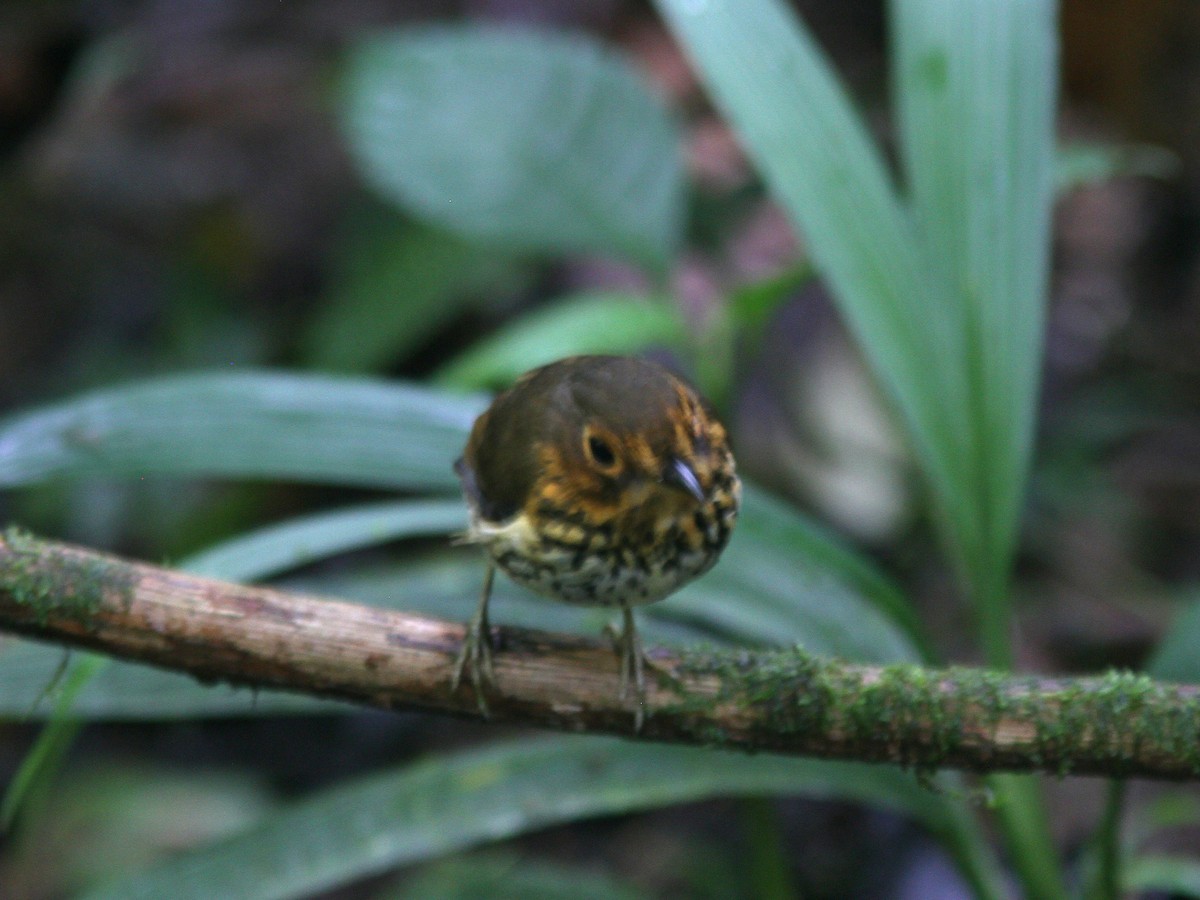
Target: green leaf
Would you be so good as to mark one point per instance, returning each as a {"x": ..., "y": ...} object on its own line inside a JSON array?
[
  {"x": 751, "y": 305},
  {"x": 269, "y": 551},
  {"x": 796, "y": 121},
  {"x": 1174, "y": 875},
  {"x": 976, "y": 87},
  {"x": 125, "y": 691},
  {"x": 457, "y": 801},
  {"x": 945, "y": 298},
  {"x": 1168, "y": 811},
  {"x": 507, "y": 876},
  {"x": 784, "y": 576},
  {"x": 395, "y": 284},
  {"x": 1175, "y": 658},
  {"x": 585, "y": 323},
  {"x": 46, "y": 756},
  {"x": 530, "y": 140},
  {"x": 1081, "y": 164},
  {"x": 245, "y": 425},
  {"x": 945, "y": 294}
]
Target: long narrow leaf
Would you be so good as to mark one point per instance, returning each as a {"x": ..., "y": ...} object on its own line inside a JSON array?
[
  {"x": 586, "y": 323},
  {"x": 946, "y": 299},
  {"x": 128, "y": 692},
  {"x": 245, "y": 425},
  {"x": 1178, "y": 876},
  {"x": 449, "y": 803},
  {"x": 510, "y": 876},
  {"x": 278, "y": 548},
  {"x": 976, "y": 86},
  {"x": 50, "y": 749},
  {"x": 778, "y": 90}
]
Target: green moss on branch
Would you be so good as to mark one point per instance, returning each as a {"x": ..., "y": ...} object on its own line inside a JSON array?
[{"x": 54, "y": 582}]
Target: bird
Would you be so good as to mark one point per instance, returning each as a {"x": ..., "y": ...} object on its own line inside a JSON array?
[{"x": 598, "y": 481}]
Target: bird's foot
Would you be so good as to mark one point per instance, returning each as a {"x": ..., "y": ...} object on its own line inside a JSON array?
[
  {"x": 628, "y": 645},
  {"x": 475, "y": 659}
]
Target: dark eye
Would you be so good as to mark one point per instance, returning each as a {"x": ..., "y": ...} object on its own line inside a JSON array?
[{"x": 601, "y": 452}]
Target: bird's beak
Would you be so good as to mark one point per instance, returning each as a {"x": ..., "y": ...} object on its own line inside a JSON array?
[{"x": 683, "y": 476}]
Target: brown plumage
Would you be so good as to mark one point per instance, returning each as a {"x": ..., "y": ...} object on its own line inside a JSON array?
[{"x": 596, "y": 480}]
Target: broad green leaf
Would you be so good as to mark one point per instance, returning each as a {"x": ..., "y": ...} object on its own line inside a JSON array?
[
  {"x": 1171, "y": 875},
  {"x": 587, "y": 323},
  {"x": 395, "y": 285},
  {"x": 245, "y": 425},
  {"x": 455, "y": 801},
  {"x": 530, "y": 140}
]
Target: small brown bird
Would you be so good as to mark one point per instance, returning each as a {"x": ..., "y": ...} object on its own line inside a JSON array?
[{"x": 600, "y": 481}]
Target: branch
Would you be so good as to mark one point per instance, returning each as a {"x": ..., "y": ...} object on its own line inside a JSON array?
[{"x": 788, "y": 701}]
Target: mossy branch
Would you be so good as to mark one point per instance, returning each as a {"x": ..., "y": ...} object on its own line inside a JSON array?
[{"x": 1118, "y": 724}]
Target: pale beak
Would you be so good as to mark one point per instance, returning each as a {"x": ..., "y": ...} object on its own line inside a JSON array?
[{"x": 681, "y": 475}]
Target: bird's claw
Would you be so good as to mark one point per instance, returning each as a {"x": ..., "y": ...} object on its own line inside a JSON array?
[
  {"x": 475, "y": 658},
  {"x": 628, "y": 645}
]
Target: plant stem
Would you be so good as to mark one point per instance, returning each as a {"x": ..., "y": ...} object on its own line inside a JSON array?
[
  {"x": 770, "y": 875},
  {"x": 1102, "y": 878},
  {"x": 974, "y": 854},
  {"x": 1020, "y": 810},
  {"x": 1022, "y": 817}
]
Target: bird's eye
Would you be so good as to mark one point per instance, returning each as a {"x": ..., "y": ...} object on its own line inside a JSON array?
[{"x": 600, "y": 451}]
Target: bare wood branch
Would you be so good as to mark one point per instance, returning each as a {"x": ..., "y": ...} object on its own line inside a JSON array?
[{"x": 784, "y": 701}]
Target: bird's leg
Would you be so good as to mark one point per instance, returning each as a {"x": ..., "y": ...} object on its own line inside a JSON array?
[
  {"x": 476, "y": 652},
  {"x": 628, "y": 645}
]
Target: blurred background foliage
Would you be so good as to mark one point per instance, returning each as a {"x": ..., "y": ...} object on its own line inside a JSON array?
[{"x": 218, "y": 188}]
